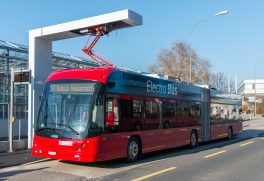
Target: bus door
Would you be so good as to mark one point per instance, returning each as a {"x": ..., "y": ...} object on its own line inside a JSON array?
[
  {"x": 205, "y": 114},
  {"x": 112, "y": 114},
  {"x": 126, "y": 123},
  {"x": 113, "y": 145}
]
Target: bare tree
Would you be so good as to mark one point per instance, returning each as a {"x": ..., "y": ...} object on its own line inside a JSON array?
[
  {"x": 201, "y": 71},
  {"x": 220, "y": 82},
  {"x": 175, "y": 62}
]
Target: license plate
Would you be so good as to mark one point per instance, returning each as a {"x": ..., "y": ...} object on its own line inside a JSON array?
[
  {"x": 52, "y": 153},
  {"x": 65, "y": 143}
]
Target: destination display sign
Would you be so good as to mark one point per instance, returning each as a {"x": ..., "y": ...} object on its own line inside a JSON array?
[
  {"x": 22, "y": 76},
  {"x": 161, "y": 88},
  {"x": 72, "y": 88}
]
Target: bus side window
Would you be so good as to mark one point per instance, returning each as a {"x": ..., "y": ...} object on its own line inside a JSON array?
[
  {"x": 195, "y": 113},
  {"x": 169, "y": 114},
  {"x": 182, "y": 114},
  {"x": 137, "y": 114},
  {"x": 112, "y": 114},
  {"x": 152, "y": 120}
]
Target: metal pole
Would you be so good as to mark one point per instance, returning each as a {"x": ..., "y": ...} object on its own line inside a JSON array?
[
  {"x": 19, "y": 129},
  {"x": 255, "y": 101},
  {"x": 190, "y": 44},
  {"x": 11, "y": 113},
  {"x": 8, "y": 117},
  {"x": 190, "y": 37},
  {"x": 255, "y": 88},
  {"x": 236, "y": 83}
]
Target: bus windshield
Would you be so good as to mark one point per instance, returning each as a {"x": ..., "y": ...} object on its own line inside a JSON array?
[{"x": 66, "y": 109}]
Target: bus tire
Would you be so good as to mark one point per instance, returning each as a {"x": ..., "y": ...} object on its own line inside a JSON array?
[
  {"x": 133, "y": 149},
  {"x": 193, "y": 139},
  {"x": 229, "y": 133}
]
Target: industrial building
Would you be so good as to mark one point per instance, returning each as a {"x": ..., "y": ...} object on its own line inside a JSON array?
[{"x": 13, "y": 55}]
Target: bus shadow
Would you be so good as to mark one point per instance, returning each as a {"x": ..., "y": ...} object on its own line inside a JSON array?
[{"x": 174, "y": 152}]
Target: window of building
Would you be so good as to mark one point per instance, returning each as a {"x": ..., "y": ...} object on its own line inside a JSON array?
[{"x": 248, "y": 86}]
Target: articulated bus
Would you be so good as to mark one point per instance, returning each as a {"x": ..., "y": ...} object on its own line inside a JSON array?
[{"x": 97, "y": 114}]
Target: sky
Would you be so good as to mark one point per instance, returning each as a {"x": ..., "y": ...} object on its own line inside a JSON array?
[{"x": 234, "y": 44}]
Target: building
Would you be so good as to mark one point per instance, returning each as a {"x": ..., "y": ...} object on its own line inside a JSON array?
[
  {"x": 16, "y": 56},
  {"x": 249, "y": 90}
]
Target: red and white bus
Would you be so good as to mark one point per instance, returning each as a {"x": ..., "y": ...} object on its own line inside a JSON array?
[{"x": 96, "y": 114}]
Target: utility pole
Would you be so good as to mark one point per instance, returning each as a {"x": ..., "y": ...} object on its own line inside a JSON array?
[
  {"x": 228, "y": 85},
  {"x": 236, "y": 83}
]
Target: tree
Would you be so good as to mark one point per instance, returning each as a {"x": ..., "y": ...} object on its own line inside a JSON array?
[
  {"x": 221, "y": 82},
  {"x": 175, "y": 62}
]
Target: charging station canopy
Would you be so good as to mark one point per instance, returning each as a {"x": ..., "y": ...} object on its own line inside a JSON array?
[
  {"x": 111, "y": 21},
  {"x": 40, "y": 50}
]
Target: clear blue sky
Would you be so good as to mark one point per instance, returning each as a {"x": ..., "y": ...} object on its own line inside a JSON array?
[{"x": 233, "y": 43}]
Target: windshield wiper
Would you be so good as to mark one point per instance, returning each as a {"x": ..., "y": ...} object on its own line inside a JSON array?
[
  {"x": 67, "y": 126},
  {"x": 40, "y": 129}
]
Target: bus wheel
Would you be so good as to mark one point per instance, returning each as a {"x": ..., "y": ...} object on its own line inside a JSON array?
[
  {"x": 193, "y": 139},
  {"x": 229, "y": 133},
  {"x": 133, "y": 150}
]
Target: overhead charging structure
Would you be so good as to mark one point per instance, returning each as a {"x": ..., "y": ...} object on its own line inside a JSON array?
[
  {"x": 40, "y": 50},
  {"x": 97, "y": 32}
]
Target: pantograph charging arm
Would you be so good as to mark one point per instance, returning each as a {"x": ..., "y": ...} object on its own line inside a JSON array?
[{"x": 88, "y": 50}]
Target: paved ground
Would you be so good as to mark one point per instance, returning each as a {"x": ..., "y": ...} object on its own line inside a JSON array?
[
  {"x": 16, "y": 158},
  {"x": 237, "y": 159}
]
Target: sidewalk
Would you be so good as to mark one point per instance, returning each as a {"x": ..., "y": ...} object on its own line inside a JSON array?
[{"x": 16, "y": 158}]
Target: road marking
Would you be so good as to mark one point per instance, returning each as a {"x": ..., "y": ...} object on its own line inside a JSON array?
[
  {"x": 217, "y": 153},
  {"x": 244, "y": 144},
  {"x": 154, "y": 174}
]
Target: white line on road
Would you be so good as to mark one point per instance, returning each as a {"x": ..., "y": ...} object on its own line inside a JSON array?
[
  {"x": 217, "y": 153},
  {"x": 244, "y": 144},
  {"x": 153, "y": 174}
]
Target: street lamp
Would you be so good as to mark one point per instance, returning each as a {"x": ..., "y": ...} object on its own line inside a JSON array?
[
  {"x": 255, "y": 89},
  {"x": 221, "y": 13}
]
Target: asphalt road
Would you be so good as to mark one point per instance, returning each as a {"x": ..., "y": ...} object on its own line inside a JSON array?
[{"x": 241, "y": 158}]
